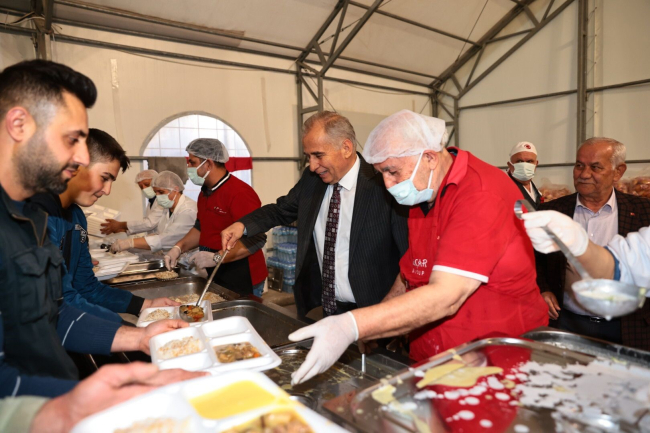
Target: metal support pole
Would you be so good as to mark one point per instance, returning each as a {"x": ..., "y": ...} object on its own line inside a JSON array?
[
  {"x": 319, "y": 102},
  {"x": 299, "y": 83},
  {"x": 434, "y": 104},
  {"x": 583, "y": 22},
  {"x": 518, "y": 45},
  {"x": 456, "y": 124},
  {"x": 358, "y": 26}
]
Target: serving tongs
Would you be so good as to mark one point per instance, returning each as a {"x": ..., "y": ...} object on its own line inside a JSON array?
[
  {"x": 214, "y": 272},
  {"x": 615, "y": 297}
]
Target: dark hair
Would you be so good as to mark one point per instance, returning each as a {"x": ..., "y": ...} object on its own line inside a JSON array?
[
  {"x": 33, "y": 82},
  {"x": 102, "y": 147}
]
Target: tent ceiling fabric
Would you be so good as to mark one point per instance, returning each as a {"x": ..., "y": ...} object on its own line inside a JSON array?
[{"x": 293, "y": 23}]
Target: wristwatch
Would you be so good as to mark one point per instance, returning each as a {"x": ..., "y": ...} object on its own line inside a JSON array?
[{"x": 217, "y": 258}]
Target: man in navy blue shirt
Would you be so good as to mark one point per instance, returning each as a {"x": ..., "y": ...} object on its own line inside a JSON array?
[{"x": 43, "y": 130}]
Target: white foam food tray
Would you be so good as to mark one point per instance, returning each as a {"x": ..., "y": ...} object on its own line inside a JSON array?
[
  {"x": 213, "y": 334},
  {"x": 174, "y": 311},
  {"x": 115, "y": 269},
  {"x": 173, "y": 402}
]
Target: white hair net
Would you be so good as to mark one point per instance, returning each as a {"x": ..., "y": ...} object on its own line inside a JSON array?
[
  {"x": 404, "y": 133},
  {"x": 168, "y": 180},
  {"x": 208, "y": 148},
  {"x": 145, "y": 174}
]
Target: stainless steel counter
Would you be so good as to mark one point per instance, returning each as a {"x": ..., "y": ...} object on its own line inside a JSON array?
[
  {"x": 186, "y": 284},
  {"x": 590, "y": 346},
  {"x": 342, "y": 380}
]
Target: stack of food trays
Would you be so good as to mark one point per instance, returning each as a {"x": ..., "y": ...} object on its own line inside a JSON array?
[
  {"x": 224, "y": 404},
  {"x": 217, "y": 347},
  {"x": 154, "y": 314}
]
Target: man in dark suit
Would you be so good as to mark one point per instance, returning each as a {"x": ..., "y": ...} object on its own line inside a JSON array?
[
  {"x": 603, "y": 213},
  {"x": 521, "y": 169},
  {"x": 351, "y": 232}
]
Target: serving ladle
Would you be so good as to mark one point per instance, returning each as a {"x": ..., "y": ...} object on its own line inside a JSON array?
[
  {"x": 603, "y": 297},
  {"x": 184, "y": 316}
]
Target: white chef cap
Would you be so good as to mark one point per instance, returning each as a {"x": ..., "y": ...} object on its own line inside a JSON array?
[
  {"x": 404, "y": 133},
  {"x": 523, "y": 146}
]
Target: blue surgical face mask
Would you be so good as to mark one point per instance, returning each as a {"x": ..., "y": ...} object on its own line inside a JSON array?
[
  {"x": 149, "y": 192},
  {"x": 192, "y": 173},
  {"x": 524, "y": 171},
  {"x": 407, "y": 194},
  {"x": 165, "y": 201}
]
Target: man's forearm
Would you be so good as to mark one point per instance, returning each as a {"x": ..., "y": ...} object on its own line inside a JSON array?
[
  {"x": 597, "y": 261},
  {"x": 238, "y": 252},
  {"x": 141, "y": 244},
  {"x": 190, "y": 241},
  {"x": 442, "y": 297},
  {"x": 398, "y": 289},
  {"x": 127, "y": 339}
]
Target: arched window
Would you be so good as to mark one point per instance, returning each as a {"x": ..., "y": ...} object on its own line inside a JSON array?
[{"x": 171, "y": 138}]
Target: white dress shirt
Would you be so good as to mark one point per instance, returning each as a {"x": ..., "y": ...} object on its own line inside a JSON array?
[
  {"x": 530, "y": 189},
  {"x": 172, "y": 228},
  {"x": 601, "y": 227},
  {"x": 348, "y": 191},
  {"x": 633, "y": 254},
  {"x": 150, "y": 221}
]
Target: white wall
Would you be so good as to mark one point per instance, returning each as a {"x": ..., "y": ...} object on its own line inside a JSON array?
[
  {"x": 148, "y": 90},
  {"x": 547, "y": 63}
]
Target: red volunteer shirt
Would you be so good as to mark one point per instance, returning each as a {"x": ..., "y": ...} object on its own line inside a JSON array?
[
  {"x": 472, "y": 231},
  {"x": 229, "y": 202}
]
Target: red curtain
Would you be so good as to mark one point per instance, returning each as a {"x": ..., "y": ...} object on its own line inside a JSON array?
[{"x": 239, "y": 163}]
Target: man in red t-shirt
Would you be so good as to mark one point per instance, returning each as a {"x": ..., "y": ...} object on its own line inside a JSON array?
[
  {"x": 223, "y": 200},
  {"x": 469, "y": 272}
]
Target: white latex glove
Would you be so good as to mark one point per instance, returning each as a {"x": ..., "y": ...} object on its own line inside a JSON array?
[
  {"x": 171, "y": 258},
  {"x": 121, "y": 245},
  {"x": 202, "y": 260},
  {"x": 569, "y": 231},
  {"x": 332, "y": 336}
]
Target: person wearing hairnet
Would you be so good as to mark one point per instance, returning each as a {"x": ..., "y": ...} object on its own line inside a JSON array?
[
  {"x": 153, "y": 212},
  {"x": 222, "y": 201},
  {"x": 624, "y": 259},
  {"x": 469, "y": 271},
  {"x": 179, "y": 216}
]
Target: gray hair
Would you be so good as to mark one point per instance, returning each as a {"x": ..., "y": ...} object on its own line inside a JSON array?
[
  {"x": 618, "y": 148},
  {"x": 336, "y": 127}
]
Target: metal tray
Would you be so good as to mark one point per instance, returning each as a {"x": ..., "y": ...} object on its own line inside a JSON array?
[
  {"x": 139, "y": 271},
  {"x": 365, "y": 414},
  {"x": 343, "y": 378},
  {"x": 269, "y": 320},
  {"x": 183, "y": 285},
  {"x": 591, "y": 346}
]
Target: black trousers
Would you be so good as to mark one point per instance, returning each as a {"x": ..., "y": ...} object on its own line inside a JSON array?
[{"x": 589, "y": 326}]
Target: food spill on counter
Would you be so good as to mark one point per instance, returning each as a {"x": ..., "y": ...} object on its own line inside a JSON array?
[{"x": 460, "y": 375}]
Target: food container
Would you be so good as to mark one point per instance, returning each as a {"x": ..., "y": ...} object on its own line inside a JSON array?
[
  {"x": 230, "y": 331},
  {"x": 142, "y": 323},
  {"x": 175, "y": 402}
]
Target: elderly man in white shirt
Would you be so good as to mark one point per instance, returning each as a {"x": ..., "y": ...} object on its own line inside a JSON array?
[{"x": 179, "y": 216}]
